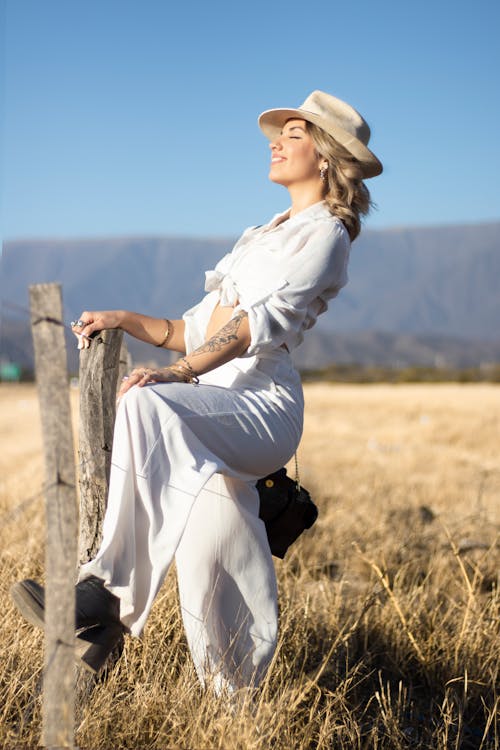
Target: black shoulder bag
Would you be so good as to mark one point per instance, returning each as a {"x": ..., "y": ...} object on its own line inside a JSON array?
[{"x": 286, "y": 509}]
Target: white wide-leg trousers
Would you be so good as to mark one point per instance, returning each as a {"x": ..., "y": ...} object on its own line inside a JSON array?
[{"x": 184, "y": 465}]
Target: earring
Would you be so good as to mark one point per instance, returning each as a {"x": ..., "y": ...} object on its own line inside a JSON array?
[{"x": 323, "y": 172}]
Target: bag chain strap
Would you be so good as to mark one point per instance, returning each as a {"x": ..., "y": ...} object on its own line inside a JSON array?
[{"x": 297, "y": 477}]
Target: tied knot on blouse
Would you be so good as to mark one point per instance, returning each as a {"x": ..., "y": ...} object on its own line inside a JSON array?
[{"x": 228, "y": 292}]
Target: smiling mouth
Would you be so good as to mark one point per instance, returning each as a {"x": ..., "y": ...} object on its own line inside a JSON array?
[{"x": 277, "y": 159}]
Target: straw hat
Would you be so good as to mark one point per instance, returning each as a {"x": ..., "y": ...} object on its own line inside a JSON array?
[{"x": 334, "y": 116}]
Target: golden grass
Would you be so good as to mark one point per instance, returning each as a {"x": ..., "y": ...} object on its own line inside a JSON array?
[{"x": 389, "y": 606}]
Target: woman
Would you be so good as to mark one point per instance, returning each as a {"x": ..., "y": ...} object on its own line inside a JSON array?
[{"x": 192, "y": 439}]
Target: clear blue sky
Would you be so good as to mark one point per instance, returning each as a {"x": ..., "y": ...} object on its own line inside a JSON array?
[{"x": 139, "y": 117}]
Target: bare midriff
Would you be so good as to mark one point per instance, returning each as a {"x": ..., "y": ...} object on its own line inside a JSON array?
[{"x": 219, "y": 317}]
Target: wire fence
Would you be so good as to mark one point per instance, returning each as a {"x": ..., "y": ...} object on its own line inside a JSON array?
[
  {"x": 34, "y": 318},
  {"x": 30, "y": 317}
]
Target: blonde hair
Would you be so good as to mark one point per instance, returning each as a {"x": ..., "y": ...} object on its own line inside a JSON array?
[{"x": 345, "y": 192}]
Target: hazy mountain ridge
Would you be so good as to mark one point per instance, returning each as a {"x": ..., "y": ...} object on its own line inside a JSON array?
[
  {"x": 416, "y": 293},
  {"x": 321, "y": 348},
  {"x": 428, "y": 280}
]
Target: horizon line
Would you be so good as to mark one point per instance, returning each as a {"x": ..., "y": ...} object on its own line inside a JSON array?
[{"x": 217, "y": 237}]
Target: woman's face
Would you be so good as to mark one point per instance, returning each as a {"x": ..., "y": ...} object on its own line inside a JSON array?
[{"x": 293, "y": 156}]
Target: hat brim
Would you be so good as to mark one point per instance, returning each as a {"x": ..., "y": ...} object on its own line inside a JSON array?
[{"x": 271, "y": 123}]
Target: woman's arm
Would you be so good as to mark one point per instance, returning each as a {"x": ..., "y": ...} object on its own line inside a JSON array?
[
  {"x": 142, "y": 327},
  {"x": 231, "y": 341}
]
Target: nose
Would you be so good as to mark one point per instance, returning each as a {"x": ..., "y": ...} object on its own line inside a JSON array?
[{"x": 276, "y": 143}]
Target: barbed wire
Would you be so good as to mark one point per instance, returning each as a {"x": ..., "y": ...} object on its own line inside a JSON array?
[
  {"x": 34, "y": 318},
  {"x": 32, "y": 314}
]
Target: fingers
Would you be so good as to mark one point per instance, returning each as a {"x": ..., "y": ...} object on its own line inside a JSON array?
[
  {"x": 140, "y": 376},
  {"x": 82, "y": 328},
  {"x": 92, "y": 322},
  {"x": 83, "y": 341},
  {"x": 83, "y": 321}
]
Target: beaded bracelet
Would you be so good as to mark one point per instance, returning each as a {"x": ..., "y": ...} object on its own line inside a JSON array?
[{"x": 168, "y": 333}]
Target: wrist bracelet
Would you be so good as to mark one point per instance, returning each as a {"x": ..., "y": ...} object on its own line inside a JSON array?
[
  {"x": 185, "y": 368},
  {"x": 168, "y": 333}
]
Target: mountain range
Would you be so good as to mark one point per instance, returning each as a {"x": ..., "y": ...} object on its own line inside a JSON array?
[{"x": 415, "y": 295}]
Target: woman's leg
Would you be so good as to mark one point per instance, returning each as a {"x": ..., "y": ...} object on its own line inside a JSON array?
[
  {"x": 227, "y": 585},
  {"x": 169, "y": 440}
]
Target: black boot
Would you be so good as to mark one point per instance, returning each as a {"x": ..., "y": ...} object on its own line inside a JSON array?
[
  {"x": 94, "y": 605},
  {"x": 94, "y": 646},
  {"x": 97, "y": 617}
]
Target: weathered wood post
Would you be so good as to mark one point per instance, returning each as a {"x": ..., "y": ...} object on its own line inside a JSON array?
[
  {"x": 125, "y": 363},
  {"x": 99, "y": 367},
  {"x": 99, "y": 370},
  {"x": 61, "y": 515}
]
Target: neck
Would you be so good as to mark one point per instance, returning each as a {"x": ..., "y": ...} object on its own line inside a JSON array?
[{"x": 304, "y": 196}]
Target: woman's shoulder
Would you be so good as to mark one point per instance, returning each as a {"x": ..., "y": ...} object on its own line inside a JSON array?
[
  {"x": 319, "y": 219},
  {"x": 326, "y": 228}
]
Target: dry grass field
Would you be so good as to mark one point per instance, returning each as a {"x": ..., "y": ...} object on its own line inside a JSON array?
[{"x": 389, "y": 606}]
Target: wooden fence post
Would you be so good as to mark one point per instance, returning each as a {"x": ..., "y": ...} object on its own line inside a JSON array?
[
  {"x": 99, "y": 366},
  {"x": 61, "y": 515},
  {"x": 125, "y": 363}
]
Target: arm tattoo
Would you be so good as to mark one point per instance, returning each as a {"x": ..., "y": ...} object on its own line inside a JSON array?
[{"x": 222, "y": 338}]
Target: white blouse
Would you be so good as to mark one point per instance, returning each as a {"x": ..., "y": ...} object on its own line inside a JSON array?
[{"x": 282, "y": 274}]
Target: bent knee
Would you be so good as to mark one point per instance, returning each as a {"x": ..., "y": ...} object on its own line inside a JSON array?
[
  {"x": 136, "y": 399},
  {"x": 146, "y": 402}
]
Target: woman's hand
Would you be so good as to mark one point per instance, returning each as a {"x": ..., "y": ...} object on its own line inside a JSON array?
[
  {"x": 91, "y": 322},
  {"x": 143, "y": 376}
]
